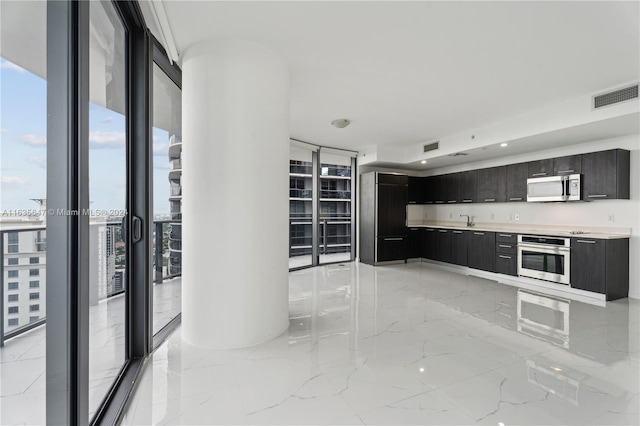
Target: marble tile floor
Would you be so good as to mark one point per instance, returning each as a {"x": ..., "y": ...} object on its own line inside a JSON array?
[
  {"x": 408, "y": 344},
  {"x": 300, "y": 261},
  {"x": 23, "y": 360}
]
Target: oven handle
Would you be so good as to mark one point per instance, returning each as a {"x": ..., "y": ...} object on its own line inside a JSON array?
[{"x": 544, "y": 249}]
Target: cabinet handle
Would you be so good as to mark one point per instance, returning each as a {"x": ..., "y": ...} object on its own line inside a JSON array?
[
  {"x": 393, "y": 239},
  {"x": 504, "y": 246},
  {"x": 515, "y": 199},
  {"x": 439, "y": 202},
  {"x": 504, "y": 257},
  {"x": 597, "y": 196},
  {"x": 586, "y": 241},
  {"x": 566, "y": 171},
  {"x": 430, "y": 230},
  {"x": 478, "y": 233},
  {"x": 412, "y": 202},
  {"x": 442, "y": 230},
  {"x": 539, "y": 174},
  {"x": 413, "y": 229},
  {"x": 505, "y": 235},
  {"x": 452, "y": 201},
  {"x": 457, "y": 232},
  {"x": 467, "y": 201},
  {"x": 489, "y": 199}
]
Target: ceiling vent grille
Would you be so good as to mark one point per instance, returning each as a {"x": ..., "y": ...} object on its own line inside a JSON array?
[
  {"x": 432, "y": 146},
  {"x": 615, "y": 97}
]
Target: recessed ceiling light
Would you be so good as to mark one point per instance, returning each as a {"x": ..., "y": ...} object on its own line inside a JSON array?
[
  {"x": 503, "y": 144},
  {"x": 340, "y": 123},
  {"x": 424, "y": 161}
]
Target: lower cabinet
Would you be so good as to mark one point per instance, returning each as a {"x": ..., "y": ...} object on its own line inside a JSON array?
[
  {"x": 429, "y": 244},
  {"x": 459, "y": 247},
  {"x": 601, "y": 266},
  {"x": 443, "y": 245},
  {"x": 507, "y": 254},
  {"x": 391, "y": 248},
  {"x": 414, "y": 244},
  {"x": 482, "y": 251}
]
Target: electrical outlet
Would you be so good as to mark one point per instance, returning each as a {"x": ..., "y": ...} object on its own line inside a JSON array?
[
  {"x": 516, "y": 216},
  {"x": 612, "y": 218}
]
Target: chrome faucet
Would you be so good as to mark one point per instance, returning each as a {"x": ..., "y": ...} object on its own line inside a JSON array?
[{"x": 469, "y": 220}]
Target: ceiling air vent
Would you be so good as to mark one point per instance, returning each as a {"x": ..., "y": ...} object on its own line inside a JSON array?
[
  {"x": 615, "y": 97},
  {"x": 458, "y": 154},
  {"x": 431, "y": 146}
]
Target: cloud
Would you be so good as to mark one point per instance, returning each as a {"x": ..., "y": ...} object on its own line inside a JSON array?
[
  {"x": 13, "y": 180},
  {"x": 34, "y": 140},
  {"x": 38, "y": 160},
  {"x": 11, "y": 66},
  {"x": 4, "y": 130},
  {"x": 161, "y": 149},
  {"x": 107, "y": 120},
  {"x": 107, "y": 140}
]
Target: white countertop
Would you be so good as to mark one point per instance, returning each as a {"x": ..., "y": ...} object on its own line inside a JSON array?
[{"x": 563, "y": 231}]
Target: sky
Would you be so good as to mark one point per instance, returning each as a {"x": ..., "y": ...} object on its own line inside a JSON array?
[{"x": 23, "y": 148}]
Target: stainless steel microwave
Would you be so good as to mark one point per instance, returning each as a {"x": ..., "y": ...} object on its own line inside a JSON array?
[{"x": 554, "y": 188}]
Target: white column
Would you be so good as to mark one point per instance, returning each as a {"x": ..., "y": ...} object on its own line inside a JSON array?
[{"x": 235, "y": 204}]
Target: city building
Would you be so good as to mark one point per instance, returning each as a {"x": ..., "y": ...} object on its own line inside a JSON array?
[{"x": 380, "y": 116}]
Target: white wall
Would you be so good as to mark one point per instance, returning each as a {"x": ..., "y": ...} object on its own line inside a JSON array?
[{"x": 574, "y": 215}]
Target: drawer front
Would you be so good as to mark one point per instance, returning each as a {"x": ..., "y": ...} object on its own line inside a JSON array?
[
  {"x": 506, "y": 248},
  {"x": 391, "y": 248},
  {"x": 506, "y": 264},
  {"x": 507, "y": 237}
]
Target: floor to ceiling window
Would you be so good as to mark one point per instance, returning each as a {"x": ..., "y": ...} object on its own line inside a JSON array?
[
  {"x": 321, "y": 205},
  {"x": 167, "y": 198},
  {"x": 23, "y": 165},
  {"x": 107, "y": 198}
]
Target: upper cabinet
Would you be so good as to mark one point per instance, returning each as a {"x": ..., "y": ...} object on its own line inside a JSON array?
[
  {"x": 540, "y": 168},
  {"x": 452, "y": 188},
  {"x": 517, "y": 181},
  {"x": 568, "y": 165},
  {"x": 416, "y": 190},
  {"x": 606, "y": 175},
  {"x": 492, "y": 185},
  {"x": 468, "y": 186}
]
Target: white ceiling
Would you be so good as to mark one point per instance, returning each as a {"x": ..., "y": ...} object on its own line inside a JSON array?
[{"x": 410, "y": 72}]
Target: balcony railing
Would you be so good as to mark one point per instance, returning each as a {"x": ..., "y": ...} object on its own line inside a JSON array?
[
  {"x": 334, "y": 237},
  {"x": 301, "y": 170},
  {"x": 167, "y": 265},
  {"x": 175, "y": 164},
  {"x": 335, "y": 194},
  {"x": 300, "y": 193},
  {"x": 335, "y": 171}
]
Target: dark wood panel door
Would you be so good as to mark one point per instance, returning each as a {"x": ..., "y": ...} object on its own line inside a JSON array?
[
  {"x": 452, "y": 188},
  {"x": 392, "y": 208},
  {"x": 468, "y": 186},
  {"x": 569, "y": 165},
  {"x": 541, "y": 168},
  {"x": 443, "y": 245},
  {"x": 391, "y": 248},
  {"x": 414, "y": 246},
  {"x": 429, "y": 243},
  {"x": 459, "y": 247},
  {"x": 605, "y": 175},
  {"x": 492, "y": 186},
  {"x": 588, "y": 258},
  {"x": 507, "y": 264},
  {"x": 482, "y": 253},
  {"x": 517, "y": 181},
  {"x": 416, "y": 190}
]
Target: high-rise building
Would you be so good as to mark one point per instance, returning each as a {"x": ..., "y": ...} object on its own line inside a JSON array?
[{"x": 175, "y": 204}]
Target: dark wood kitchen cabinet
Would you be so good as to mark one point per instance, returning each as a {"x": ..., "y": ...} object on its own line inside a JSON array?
[
  {"x": 443, "y": 245},
  {"x": 517, "y": 181},
  {"x": 507, "y": 253},
  {"x": 540, "y": 168},
  {"x": 438, "y": 189},
  {"x": 383, "y": 230},
  {"x": 601, "y": 266},
  {"x": 468, "y": 186},
  {"x": 429, "y": 243},
  {"x": 416, "y": 190},
  {"x": 606, "y": 175},
  {"x": 482, "y": 250},
  {"x": 459, "y": 247},
  {"x": 452, "y": 188},
  {"x": 492, "y": 185},
  {"x": 414, "y": 246},
  {"x": 569, "y": 165}
]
